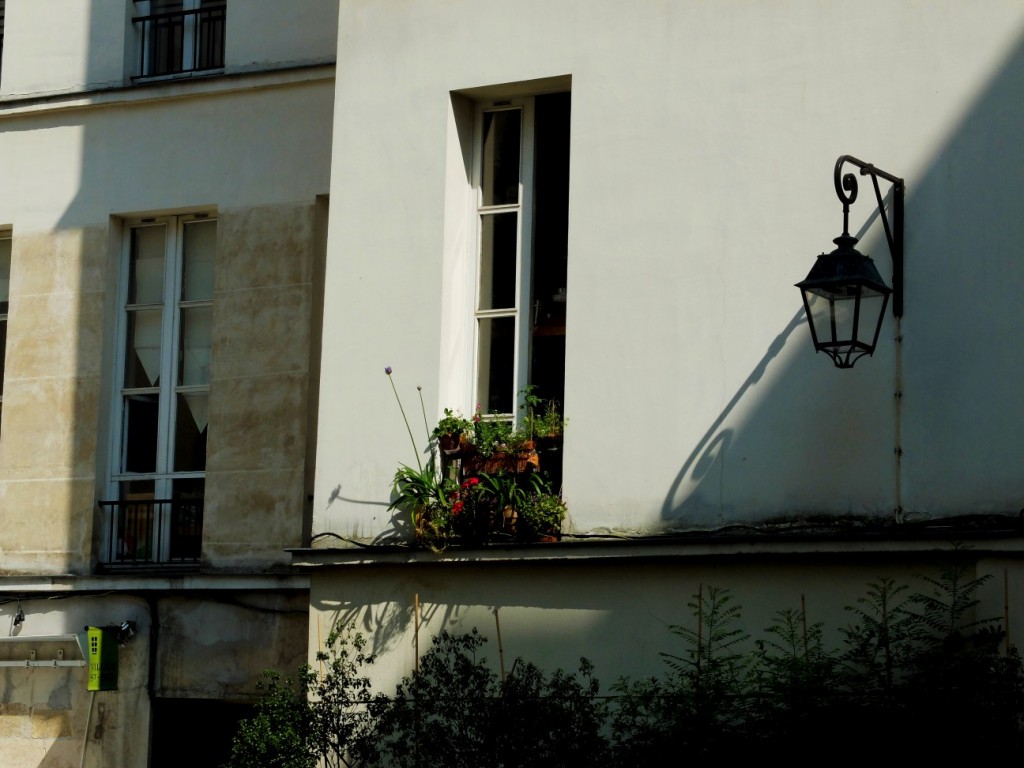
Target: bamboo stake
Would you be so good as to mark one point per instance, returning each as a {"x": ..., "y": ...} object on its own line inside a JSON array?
[
  {"x": 700, "y": 624},
  {"x": 803, "y": 613},
  {"x": 416, "y": 628},
  {"x": 501, "y": 648},
  {"x": 1006, "y": 610}
]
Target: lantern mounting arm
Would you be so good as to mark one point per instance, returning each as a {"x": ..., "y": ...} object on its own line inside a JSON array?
[{"x": 846, "y": 189}]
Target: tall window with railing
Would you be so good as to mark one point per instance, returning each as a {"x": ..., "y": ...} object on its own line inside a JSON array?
[
  {"x": 178, "y": 37},
  {"x": 159, "y": 455}
]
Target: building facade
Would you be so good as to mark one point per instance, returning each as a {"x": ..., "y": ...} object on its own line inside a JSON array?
[
  {"x": 223, "y": 219},
  {"x": 612, "y": 202},
  {"x": 163, "y": 232}
]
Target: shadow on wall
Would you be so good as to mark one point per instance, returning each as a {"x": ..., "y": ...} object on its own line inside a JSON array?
[{"x": 832, "y": 434}]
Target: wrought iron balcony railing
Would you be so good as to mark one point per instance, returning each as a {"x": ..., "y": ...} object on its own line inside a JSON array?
[
  {"x": 153, "y": 532},
  {"x": 179, "y": 42}
]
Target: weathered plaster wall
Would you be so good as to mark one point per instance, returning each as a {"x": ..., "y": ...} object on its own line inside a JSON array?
[
  {"x": 47, "y": 717},
  {"x": 703, "y": 142},
  {"x": 218, "y": 646},
  {"x": 51, "y": 400},
  {"x": 259, "y": 389}
]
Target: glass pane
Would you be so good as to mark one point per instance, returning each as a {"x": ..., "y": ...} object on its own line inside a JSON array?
[
  {"x": 134, "y": 490},
  {"x": 190, "y": 433},
  {"x": 189, "y": 489},
  {"x": 498, "y": 258},
  {"x": 5, "y": 275},
  {"x": 141, "y": 425},
  {"x": 195, "y": 345},
  {"x": 499, "y": 183},
  {"x": 200, "y": 246},
  {"x": 146, "y": 282},
  {"x": 134, "y": 521},
  {"x": 186, "y": 534},
  {"x": 142, "y": 366},
  {"x": 497, "y": 364}
]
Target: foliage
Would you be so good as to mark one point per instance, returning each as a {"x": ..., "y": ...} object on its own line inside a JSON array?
[
  {"x": 320, "y": 716},
  {"x": 541, "y": 514},
  {"x": 917, "y": 672},
  {"x": 439, "y": 714},
  {"x": 492, "y": 434},
  {"x": 452, "y": 425},
  {"x": 455, "y": 711},
  {"x": 551, "y": 721},
  {"x": 881, "y": 640},
  {"x": 542, "y": 418},
  {"x": 280, "y": 734}
]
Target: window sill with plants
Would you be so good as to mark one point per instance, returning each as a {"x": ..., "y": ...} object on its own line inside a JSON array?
[{"x": 486, "y": 479}]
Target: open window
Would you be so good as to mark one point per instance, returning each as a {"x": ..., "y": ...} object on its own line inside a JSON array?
[{"x": 521, "y": 172}]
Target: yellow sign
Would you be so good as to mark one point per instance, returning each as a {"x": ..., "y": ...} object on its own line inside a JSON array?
[{"x": 102, "y": 655}]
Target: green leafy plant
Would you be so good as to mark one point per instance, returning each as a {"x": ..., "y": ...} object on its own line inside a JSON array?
[
  {"x": 323, "y": 717},
  {"x": 491, "y": 434},
  {"x": 421, "y": 490},
  {"x": 452, "y": 426},
  {"x": 542, "y": 418},
  {"x": 541, "y": 514},
  {"x": 440, "y": 714}
]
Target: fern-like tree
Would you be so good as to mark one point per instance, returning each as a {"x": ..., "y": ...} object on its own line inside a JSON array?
[{"x": 792, "y": 682}]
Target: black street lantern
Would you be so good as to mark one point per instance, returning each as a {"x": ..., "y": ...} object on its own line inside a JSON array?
[{"x": 844, "y": 296}]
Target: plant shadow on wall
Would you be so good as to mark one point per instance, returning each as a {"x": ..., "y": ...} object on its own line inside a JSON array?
[
  {"x": 917, "y": 676},
  {"x": 482, "y": 480}
]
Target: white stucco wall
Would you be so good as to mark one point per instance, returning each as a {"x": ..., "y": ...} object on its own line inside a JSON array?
[{"x": 703, "y": 141}]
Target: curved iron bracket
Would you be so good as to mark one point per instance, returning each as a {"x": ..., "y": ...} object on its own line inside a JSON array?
[{"x": 846, "y": 190}]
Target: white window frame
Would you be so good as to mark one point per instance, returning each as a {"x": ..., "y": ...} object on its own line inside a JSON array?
[
  {"x": 524, "y": 250},
  {"x": 168, "y": 387}
]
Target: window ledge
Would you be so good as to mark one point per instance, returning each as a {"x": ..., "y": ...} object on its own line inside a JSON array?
[
  {"x": 982, "y": 535},
  {"x": 164, "y": 88}
]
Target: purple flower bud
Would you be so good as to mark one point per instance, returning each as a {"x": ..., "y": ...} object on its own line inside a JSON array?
[{"x": 387, "y": 370}]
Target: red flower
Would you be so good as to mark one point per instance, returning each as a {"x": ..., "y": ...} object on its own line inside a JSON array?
[{"x": 457, "y": 507}]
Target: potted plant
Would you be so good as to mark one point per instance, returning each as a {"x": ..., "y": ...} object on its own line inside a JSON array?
[
  {"x": 540, "y": 516},
  {"x": 542, "y": 420},
  {"x": 453, "y": 433}
]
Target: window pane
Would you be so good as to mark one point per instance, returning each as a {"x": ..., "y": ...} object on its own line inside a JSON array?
[
  {"x": 141, "y": 420},
  {"x": 186, "y": 534},
  {"x": 498, "y": 259},
  {"x": 136, "y": 490},
  {"x": 146, "y": 282},
  {"x": 142, "y": 367},
  {"x": 190, "y": 433},
  {"x": 200, "y": 246},
  {"x": 499, "y": 183},
  {"x": 195, "y": 345},
  {"x": 497, "y": 364}
]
